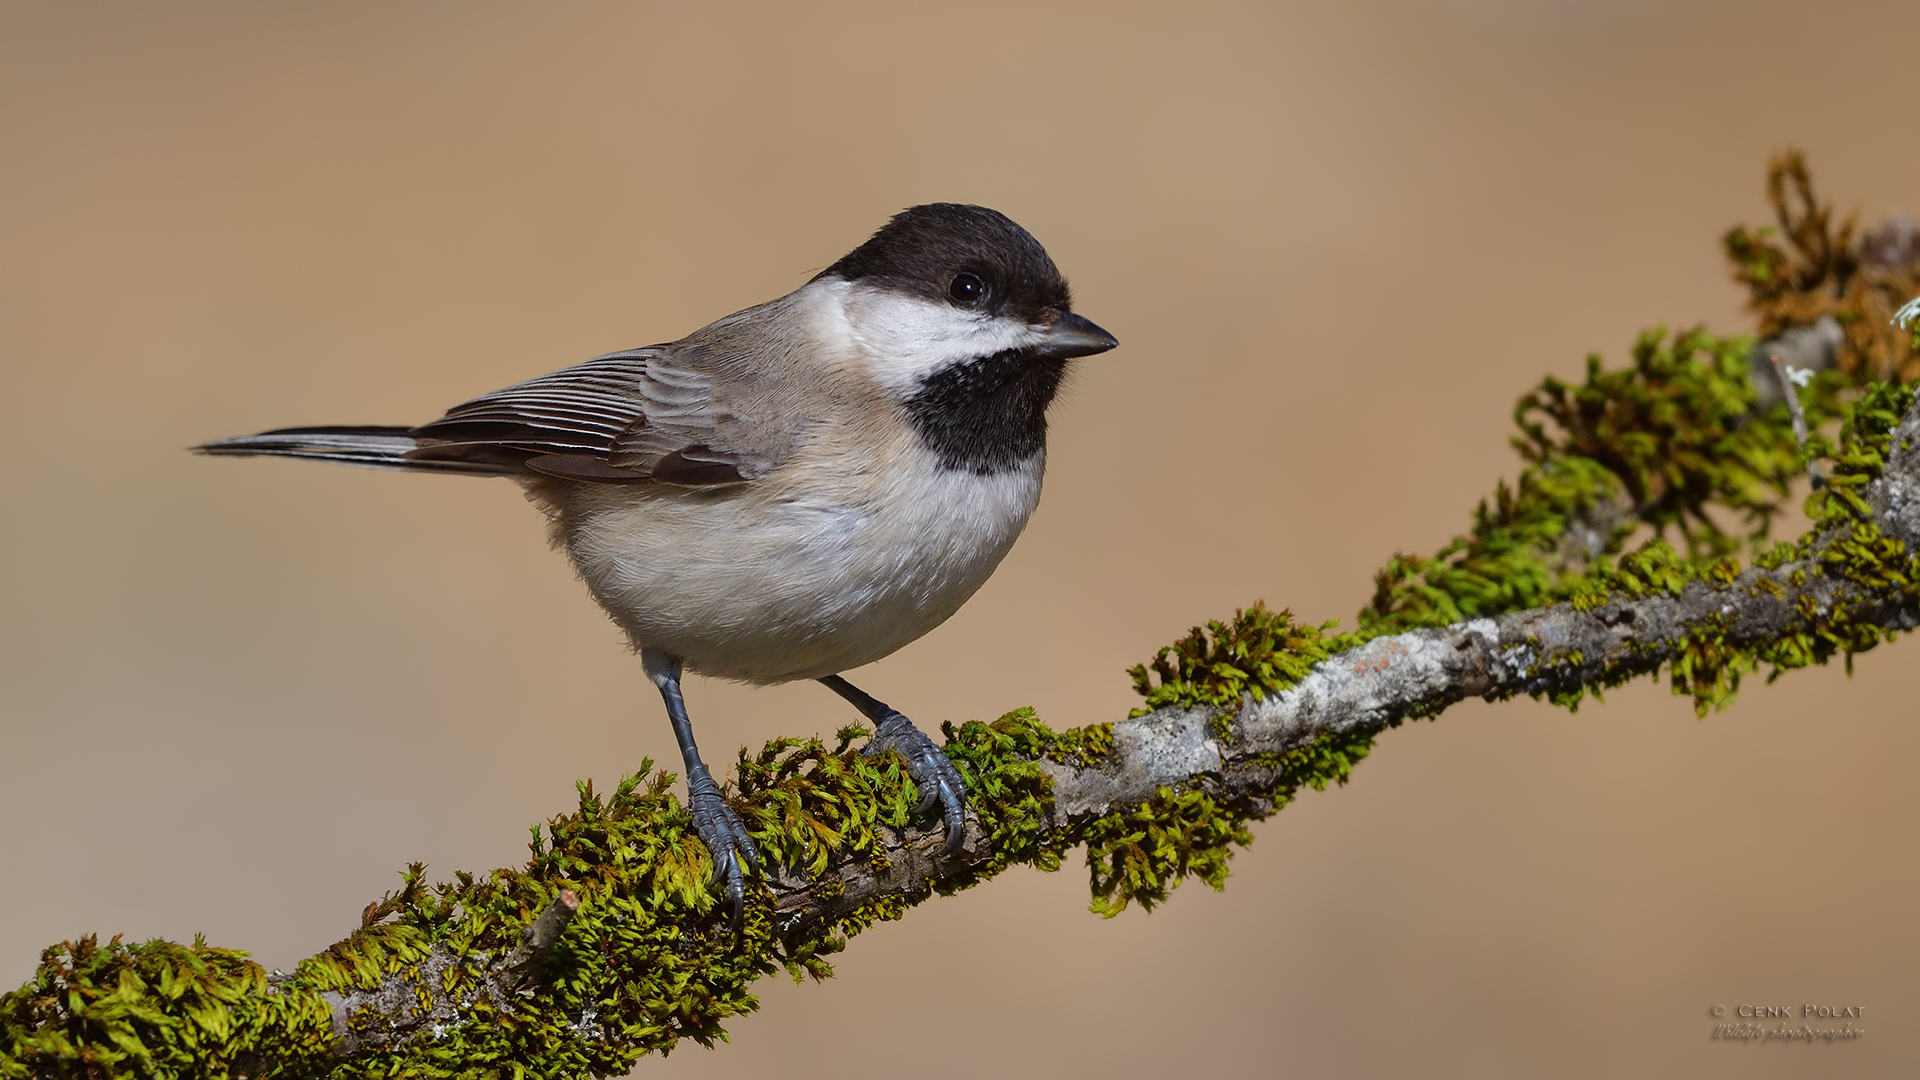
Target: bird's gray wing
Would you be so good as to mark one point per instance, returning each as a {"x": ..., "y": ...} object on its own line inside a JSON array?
[{"x": 626, "y": 417}]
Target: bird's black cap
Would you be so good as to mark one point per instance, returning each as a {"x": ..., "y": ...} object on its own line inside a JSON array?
[{"x": 924, "y": 249}]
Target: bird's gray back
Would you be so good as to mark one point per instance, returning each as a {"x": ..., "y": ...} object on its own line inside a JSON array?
[{"x": 728, "y": 403}]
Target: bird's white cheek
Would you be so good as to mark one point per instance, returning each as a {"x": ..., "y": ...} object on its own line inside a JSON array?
[{"x": 903, "y": 339}]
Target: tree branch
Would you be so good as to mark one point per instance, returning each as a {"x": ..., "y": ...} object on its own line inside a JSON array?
[
  {"x": 610, "y": 944},
  {"x": 1542, "y": 652}
]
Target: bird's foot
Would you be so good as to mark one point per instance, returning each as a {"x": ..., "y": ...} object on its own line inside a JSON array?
[
  {"x": 939, "y": 782},
  {"x": 726, "y": 838}
]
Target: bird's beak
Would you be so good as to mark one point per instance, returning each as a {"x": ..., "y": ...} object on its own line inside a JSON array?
[{"x": 1073, "y": 336}]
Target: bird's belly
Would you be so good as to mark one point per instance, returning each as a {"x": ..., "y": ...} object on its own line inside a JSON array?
[{"x": 768, "y": 584}]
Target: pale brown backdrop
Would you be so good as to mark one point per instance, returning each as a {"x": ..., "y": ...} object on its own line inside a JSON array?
[{"x": 1335, "y": 240}]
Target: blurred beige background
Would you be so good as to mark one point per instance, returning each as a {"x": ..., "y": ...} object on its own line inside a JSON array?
[{"x": 1336, "y": 240}]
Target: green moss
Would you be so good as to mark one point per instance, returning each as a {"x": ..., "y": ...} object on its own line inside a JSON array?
[
  {"x": 1081, "y": 748},
  {"x": 1673, "y": 437},
  {"x": 1254, "y": 654},
  {"x": 1009, "y": 790},
  {"x": 1845, "y": 543},
  {"x": 153, "y": 1009},
  {"x": 1142, "y": 852},
  {"x": 1655, "y": 568},
  {"x": 1861, "y": 454},
  {"x": 1669, "y": 446},
  {"x": 1510, "y": 559},
  {"x": 1677, "y": 429}
]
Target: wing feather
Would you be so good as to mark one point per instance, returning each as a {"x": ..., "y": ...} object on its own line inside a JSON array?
[{"x": 617, "y": 418}]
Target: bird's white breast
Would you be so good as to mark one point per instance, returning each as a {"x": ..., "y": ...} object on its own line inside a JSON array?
[
  {"x": 834, "y": 562},
  {"x": 857, "y": 543}
]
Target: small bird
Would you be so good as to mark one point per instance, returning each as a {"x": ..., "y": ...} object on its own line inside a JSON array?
[{"x": 797, "y": 489}]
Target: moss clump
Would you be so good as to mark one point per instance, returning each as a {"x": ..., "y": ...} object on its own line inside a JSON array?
[
  {"x": 1080, "y": 748},
  {"x": 1653, "y": 569},
  {"x": 645, "y": 962},
  {"x": 154, "y": 1009},
  {"x": 1010, "y": 791},
  {"x": 1255, "y": 653},
  {"x": 1669, "y": 445},
  {"x": 1860, "y": 455},
  {"x": 1676, "y": 428},
  {"x": 1845, "y": 543},
  {"x": 1142, "y": 853},
  {"x": 1520, "y": 553},
  {"x": 810, "y": 802}
]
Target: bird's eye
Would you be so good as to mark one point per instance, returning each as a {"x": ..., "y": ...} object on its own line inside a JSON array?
[{"x": 966, "y": 289}]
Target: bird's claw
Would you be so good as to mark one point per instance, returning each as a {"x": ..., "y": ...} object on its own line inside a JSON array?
[
  {"x": 936, "y": 777},
  {"x": 727, "y": 841}
]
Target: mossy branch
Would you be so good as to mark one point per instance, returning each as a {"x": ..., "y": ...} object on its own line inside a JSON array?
[
  {"x": 609, "y": 943},
  {"x": 436, "y": 982}
]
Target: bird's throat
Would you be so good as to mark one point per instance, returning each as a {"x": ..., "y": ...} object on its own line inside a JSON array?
[{"x": 986, "y": 416}]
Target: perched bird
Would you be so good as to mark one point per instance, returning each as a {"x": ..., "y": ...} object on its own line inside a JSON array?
[{"x": 797, "y": 489}]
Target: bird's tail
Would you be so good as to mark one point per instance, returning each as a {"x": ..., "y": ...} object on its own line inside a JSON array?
[{"x": 373, "y": 447}]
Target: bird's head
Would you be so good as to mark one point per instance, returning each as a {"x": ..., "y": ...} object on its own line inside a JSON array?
[{"x": 961, "y": 314}]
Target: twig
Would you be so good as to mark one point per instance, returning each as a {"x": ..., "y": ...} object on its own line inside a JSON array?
[
  {"x": 541, "y": 935},
  {"x": 1791, "y": 391}
]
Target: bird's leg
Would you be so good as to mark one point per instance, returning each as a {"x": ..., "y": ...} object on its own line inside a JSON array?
[
  {"x": 719, "y": 827},
  {"x": 938, "y": 781}
]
